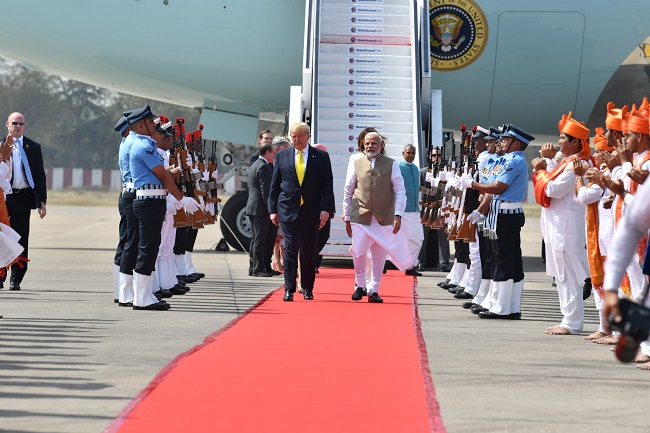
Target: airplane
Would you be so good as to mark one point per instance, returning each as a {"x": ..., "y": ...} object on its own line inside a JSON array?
[{"x": 496, "y": 61}]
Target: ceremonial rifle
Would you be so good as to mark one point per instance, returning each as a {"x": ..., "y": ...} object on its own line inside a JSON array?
[
  {"x": 188, "y": 181},
  {"x": 181, "y": 218},
  {"x": 194, "y": 143}
]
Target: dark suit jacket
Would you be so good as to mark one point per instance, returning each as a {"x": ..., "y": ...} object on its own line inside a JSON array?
[
  {"x": 259, "y": 185},
  {"x": 35, "y": 159},
  {"x": 316, "y": 190}
]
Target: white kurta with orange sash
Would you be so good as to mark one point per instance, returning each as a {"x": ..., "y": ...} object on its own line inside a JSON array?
[{"x": 563, "y": 228}]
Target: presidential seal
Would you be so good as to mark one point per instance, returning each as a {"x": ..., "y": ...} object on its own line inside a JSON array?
[{"x": 459, "y": 33}]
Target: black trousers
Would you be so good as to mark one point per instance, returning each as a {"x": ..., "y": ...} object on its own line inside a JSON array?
[
  {"x": 122, "y": 229},
  {"x": 130, "y": 248},
  {"x": 190, "y": 239},
  {"x": 487, "y": 252},
  {"x": 150, "y": 214},
  {"x": 19, "y": 207},
  {"x": 179, "y": 241},
  {"x": 300, "y": 238},
  {"x": 259, "y": 233},
  {"x": 323, "y": 237},
  {"x": 508, "y": 262}
]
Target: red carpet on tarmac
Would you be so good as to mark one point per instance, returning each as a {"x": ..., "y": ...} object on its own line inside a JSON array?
[{"x": 327, "y": 365}]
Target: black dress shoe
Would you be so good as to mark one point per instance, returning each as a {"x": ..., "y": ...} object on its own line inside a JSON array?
[
  {"x": 187, "y": 279},
  {"x": 160, "y": 306},
  {"x": 440, "y": 283},
  {"x": 273, "y": 272},
  {"x": 116, "y": 300},
  {"x": 491, "y": 315},
  {"x": 125, "y": 304},
  {"x": 445, "y": 267},
  {"x": 177, "y": 291},
  {"x": 359, "y": 293},
  {"x": 16, "y": 287},
  {"x": 163, "y": 293},
  {"x": 308, "y": 295},
  {"x": 463, "y": 295},
  {"x": 198, "y": 274},
  {"x": 448, "y": 286},
  {"x": 413, "y": 271},
  {"x": 262, "y": 274},
  {"x": 478, "y": 309},
  {"x": 182, "y": 287},
  {"x": 468, "y": 305},
  {"x": 456, "y": 290},
  {"x": 288, "y": 296},
  {"x": 374, "y": 298}
]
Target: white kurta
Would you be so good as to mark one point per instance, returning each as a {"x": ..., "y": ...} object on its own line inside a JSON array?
[
  {"x": 364, "y": 236},
  {"x": 563, "y": 228}
]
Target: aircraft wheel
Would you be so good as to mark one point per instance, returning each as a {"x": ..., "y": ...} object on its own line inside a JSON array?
[{"x": 234, "y": 222}]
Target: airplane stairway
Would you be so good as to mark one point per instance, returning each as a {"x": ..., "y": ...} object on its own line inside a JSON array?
[{"x": 365, "y": 74}]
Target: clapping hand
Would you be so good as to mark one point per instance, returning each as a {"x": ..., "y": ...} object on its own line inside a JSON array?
[{"x": 639, "y": 176}]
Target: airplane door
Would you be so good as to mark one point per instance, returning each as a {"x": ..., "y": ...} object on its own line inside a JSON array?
[{"x": 538, "y": 62}]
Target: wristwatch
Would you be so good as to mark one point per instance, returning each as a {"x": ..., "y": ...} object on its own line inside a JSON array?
[{"x": 398, "y": 216}]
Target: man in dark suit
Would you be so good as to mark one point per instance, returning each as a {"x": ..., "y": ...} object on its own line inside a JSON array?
[
  {"x": 301, "y": 201},
  {"x": 259, "y": 185},
  {"x": 265, "y": 137},
  {"x": 29, "y": 189}
]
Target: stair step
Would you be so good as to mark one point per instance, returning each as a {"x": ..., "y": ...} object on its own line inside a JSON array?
[{"x": 364, "y": 60}]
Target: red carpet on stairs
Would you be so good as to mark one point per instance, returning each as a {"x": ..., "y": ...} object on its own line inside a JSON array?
[{"x": 327, "y": 365}]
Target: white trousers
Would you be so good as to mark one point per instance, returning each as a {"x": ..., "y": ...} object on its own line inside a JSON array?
[
  {"x": 414, "y": 234},
  {"x": 165, "y": 263},
  {"x": 142, "y": 295},
  {"x": 377, "y": 260},
  {"x": 507, "y": 297},
  {"x": 474, "y": 272},
  {"x": 483, "y": 292},
  {"x": 456, "y": 273},
  {"x": 571, "y": 304}
]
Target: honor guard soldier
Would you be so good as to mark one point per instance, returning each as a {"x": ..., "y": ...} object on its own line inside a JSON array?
[
  {"x": 151, "y": 182},
  {"x": 122, "y": 127},
  {"x": 504, "y": 222}
]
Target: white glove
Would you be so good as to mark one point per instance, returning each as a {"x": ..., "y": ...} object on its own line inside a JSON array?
[
  {"x": 190, "y": 204},
  {"x": 476, "y": 217},
  {"x": 189, "y": 161},
  {"x": 215, "y": 174},
  {"x": 206, "y": 176},
  {"x": 466, "y": 181}
]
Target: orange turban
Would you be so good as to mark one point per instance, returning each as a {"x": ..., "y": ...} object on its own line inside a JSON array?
[
  {"x": 614, "y": 119},
  {"x": 638, "y": 120},
  {"x": 572, "y": 127},
  {"x": 625, "y": 118},
  {"x": 600, "y": 142}
]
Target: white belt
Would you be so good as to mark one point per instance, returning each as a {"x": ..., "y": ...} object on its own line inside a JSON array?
[
  {"x": 509, "y": 205},
  {"x": 150, "y": 192},
  {"x": 130, "y": 185}
]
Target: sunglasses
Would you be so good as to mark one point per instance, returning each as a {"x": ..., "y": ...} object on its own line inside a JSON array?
[{"x": 18, "y": 123}]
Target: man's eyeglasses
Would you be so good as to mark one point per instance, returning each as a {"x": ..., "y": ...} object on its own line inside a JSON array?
[
  {"x": 435, "y": 155},
  {"x": 18, "y": 123}
]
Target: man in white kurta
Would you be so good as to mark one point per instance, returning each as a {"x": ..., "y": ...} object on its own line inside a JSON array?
[
  {"x": 374, "y": 200},
  {"x": 411, "y": 217},
  {"x": 563, "y": 229}
]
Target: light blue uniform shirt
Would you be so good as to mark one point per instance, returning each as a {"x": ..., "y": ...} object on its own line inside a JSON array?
[
  {"x": 143, "y": 158},
  {"x": 489, "y": 171},
  {"x": 515, "y": 174},
  {"x": 411, "y": 175},
  {"x": 123, "y": 160}
]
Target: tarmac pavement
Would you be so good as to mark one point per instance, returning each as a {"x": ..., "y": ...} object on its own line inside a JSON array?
[{"x": 71, "y": 359}]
